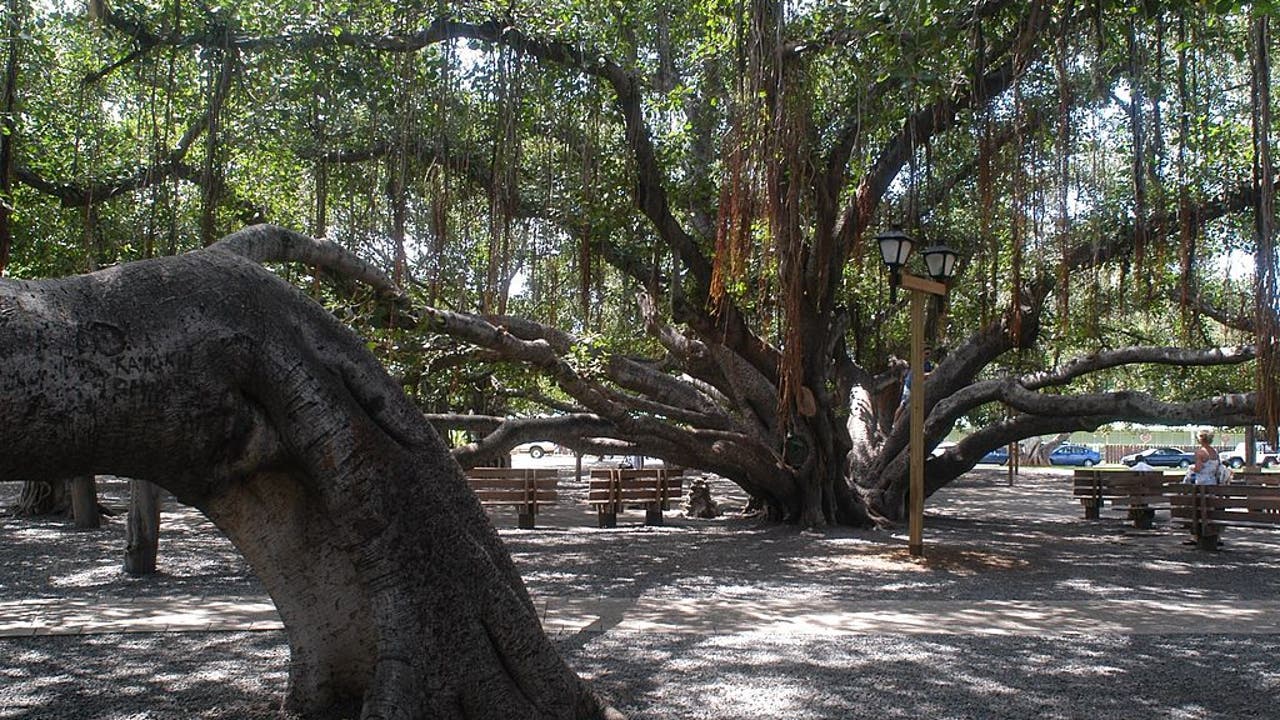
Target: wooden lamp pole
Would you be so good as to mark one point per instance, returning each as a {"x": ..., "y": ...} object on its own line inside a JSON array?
[
  {"x": 895, "y": 248},
  {"x": 920, "y": 289}
]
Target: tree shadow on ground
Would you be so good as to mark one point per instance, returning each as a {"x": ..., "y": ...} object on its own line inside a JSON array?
[
  {"x": 984, "y": 542},
  {"x": 748, "y": 676},
  {"x": 144, "y": 675}
]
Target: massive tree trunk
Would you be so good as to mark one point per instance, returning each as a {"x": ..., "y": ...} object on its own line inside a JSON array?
[{"x": 216, "y": 380}]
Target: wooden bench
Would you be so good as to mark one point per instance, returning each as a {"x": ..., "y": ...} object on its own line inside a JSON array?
[
  {"x": 1206, "y": 509},
  {"x": 1142, "y": 491},
  {"x": 610, "y": 489},
  {"x": 524, "y": 488}
]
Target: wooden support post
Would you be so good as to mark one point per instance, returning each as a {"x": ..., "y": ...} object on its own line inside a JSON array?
[
  {"x": 915, "y": 544},
  {"x": 921, "y": 288}
]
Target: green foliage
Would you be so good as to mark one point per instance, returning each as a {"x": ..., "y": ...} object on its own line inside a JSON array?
[{"x": 519, "y": 185}]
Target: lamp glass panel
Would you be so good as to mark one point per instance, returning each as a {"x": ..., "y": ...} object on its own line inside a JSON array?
[
  {"x": 895, "y": 247},
  {"x": 940, "y": 261}
]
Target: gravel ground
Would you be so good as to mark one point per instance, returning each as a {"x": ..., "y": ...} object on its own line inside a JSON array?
[{"x": 984, "y": 540}]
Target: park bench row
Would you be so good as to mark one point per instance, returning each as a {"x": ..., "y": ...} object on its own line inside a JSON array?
[
  {"x": 610, "y": 491},
  {"x": 1251, "y": 499}
]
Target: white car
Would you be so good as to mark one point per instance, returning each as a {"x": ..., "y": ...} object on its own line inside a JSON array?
[
  {"x": 535, "y": 449},
  {"x": 1265, "y": 455}
]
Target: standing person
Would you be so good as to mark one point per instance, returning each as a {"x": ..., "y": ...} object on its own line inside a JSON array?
[
  {"x": 906, "y": 385},
  {"x": 1205, "y": 471}
]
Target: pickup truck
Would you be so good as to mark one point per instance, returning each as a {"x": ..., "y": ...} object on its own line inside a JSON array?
[{"x": 1264, "y": 454}]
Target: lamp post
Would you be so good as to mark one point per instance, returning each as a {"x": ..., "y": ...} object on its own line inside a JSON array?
[{"x": 940, "y": 262}]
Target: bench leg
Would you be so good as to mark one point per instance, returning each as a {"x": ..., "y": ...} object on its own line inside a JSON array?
[
  {"x": 1143, "y": 518},
  {"x": 525, "y": 521},
  {"x": 653, "y": 517},
  {"x": 607, "y": 519},
  {"x": 1092, "y": 509}
]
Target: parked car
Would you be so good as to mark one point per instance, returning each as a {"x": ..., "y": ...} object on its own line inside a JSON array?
[
  {"x": 535, "y": 449},
  {"x": 999, "y": 456},
  {"x": 1161, "y": 457},
  {"x": 1074, "y": 455},
  {"x": 1264, "y": 455}
]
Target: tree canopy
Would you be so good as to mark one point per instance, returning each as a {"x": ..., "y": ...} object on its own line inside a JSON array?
[{"x": 631, "y": 225}]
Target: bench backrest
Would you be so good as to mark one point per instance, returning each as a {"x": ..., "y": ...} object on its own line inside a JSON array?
[
  {"x": 1120, "y": 483},
  {"x": 514, "y": 486},
  {"x": 610, "y": 486},
  {"x": 1246, "y": 504}
]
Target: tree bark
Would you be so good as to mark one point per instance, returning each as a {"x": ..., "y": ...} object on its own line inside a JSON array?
[
  {"x": 142, "y": 529},
  {"x": 398, "y": 597}
]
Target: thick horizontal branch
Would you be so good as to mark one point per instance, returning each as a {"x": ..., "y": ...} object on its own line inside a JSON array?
[
  {"x": 138, "y": 178},
  {"x": 1178, "y": 357},
  {"x": 270, "y": 243},
  {"x": 464, "y": 421},
  {"x": 948, "y": 410},
  {"x": 967, "y": 453},
  {"x": 693, "y": 355},
  {"x": 503, "y": 434},
  {"x": 1235, "y": 409},
  {"x": 70, "y": 195}
]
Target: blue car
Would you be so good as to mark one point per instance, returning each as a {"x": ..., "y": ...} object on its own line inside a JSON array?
[
  {"x": 1161, "y": 457},
  {"x": 1074, "y": 455},
  {"x": 999, "y": 456}
]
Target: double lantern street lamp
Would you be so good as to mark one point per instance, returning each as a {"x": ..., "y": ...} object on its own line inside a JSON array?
[{"x": 940, "y": 262}]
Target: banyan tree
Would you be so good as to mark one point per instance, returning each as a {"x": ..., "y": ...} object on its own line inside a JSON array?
[{"x": 649, "y": 229}]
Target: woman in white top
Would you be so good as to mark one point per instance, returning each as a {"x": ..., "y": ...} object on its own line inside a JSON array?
[{"x": 1205, "y": 471}]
